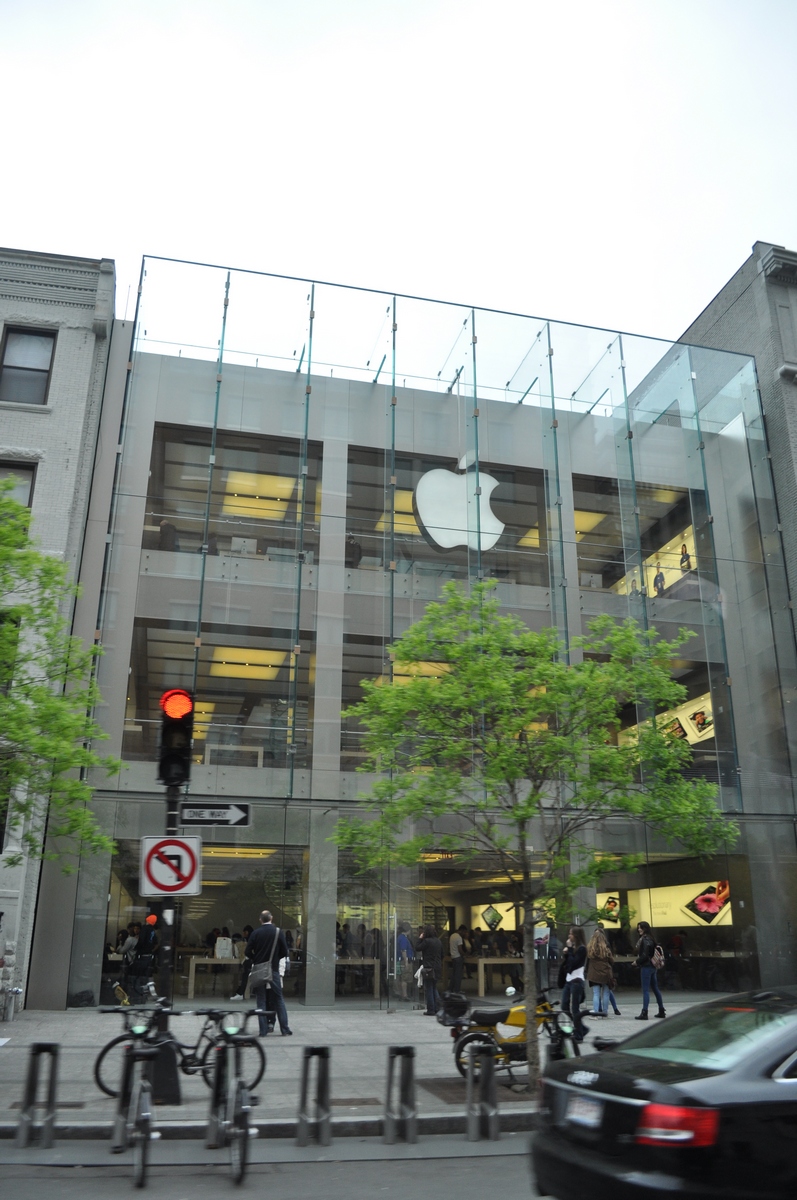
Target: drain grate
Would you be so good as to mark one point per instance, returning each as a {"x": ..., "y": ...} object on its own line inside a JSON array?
[
  {"x": 354, "y": 1101},
  {"x": 452, "y": 1091}
]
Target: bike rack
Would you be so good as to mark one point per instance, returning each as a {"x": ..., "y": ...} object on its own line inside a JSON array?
[
  {"x": 29, "y": 1102},
  {"x": 135, "y": 1053},
  {"x": 482, "y": 1110},
  {"x": 218, "y": 1093},
  {"x": 320, "y": 1125},
  {"x": 401, "y": 1113}
]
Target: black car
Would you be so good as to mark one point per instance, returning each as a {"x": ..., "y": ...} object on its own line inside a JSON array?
[{"x": 700, "y": 1105}]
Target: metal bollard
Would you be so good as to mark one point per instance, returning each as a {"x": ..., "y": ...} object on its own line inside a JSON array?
[
  {"x": 319, "y": 1125},
  {"x": 481, "y": 1113},
  {"x": 29, "y": 1102},
  {"x": 401, "y": 1116},
  {"x": 7, "y": 1003},
  {"x": 218, "y": 1092}
]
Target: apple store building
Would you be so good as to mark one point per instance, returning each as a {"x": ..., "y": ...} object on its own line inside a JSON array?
[{"x": 301, "y": 468}]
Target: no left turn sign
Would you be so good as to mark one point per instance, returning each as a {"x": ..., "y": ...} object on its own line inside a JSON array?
[{"x": 171, "y": 866}]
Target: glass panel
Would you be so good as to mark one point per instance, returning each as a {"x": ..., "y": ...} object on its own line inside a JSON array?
[
  {"x": 23, "y": 482},
  {"x": 31, "y": 350},
  {"x": 19, "y": 386}
]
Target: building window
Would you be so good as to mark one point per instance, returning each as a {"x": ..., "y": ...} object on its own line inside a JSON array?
[
  {"x": 25, "y": 364},
  {"x": 23, "y": 476}
]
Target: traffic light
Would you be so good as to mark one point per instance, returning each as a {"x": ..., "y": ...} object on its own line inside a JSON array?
[{"x": 177, "y": 727}]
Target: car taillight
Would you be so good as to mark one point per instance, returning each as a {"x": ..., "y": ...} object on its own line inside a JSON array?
[{"x": 672, "y": 1125}]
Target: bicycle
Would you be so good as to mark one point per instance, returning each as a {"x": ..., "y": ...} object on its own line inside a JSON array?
[
  {"x": 192, "y": 1059},
  {"x": 231, "y": 1101},
  {"x": 133, "y": 1125}
]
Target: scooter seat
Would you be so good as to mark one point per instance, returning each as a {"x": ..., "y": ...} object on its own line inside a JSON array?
[{"x": 489, "y": 1016}]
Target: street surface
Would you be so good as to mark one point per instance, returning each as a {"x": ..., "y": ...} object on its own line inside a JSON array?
[{"x": 442, "y": 1179}]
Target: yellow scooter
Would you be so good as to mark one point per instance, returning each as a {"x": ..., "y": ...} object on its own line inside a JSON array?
[{"x": 504, "y": 1029}]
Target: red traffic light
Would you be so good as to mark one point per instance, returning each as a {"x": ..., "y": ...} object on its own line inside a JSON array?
[{"x": 177, "y": 703}]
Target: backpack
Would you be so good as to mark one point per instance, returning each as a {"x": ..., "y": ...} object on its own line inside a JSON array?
[{"x": 657, "y": 957}]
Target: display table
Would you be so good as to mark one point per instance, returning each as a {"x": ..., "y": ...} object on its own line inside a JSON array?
[
  {"x": 200, "y": 960},
  {"x": 362, "y": 962}
]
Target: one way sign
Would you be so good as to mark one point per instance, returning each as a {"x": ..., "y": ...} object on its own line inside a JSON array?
[{"x": 215, "y": 814}]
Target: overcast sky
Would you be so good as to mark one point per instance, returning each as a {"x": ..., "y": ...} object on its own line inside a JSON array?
[{"x": 608, "y": 162}]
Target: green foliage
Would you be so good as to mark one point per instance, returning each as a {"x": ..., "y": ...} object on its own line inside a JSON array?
[
  {"x": 515, "y": 752},
  {"x": 47, "y": 692}
]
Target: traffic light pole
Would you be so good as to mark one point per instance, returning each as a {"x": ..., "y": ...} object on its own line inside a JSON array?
[{"x": 166, "y": 1081}]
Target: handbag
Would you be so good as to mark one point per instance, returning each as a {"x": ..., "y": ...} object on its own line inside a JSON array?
[{"x": 262, "y": 973}]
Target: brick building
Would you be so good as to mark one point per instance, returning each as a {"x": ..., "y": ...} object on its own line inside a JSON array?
[{"x": 56, "y": 314}]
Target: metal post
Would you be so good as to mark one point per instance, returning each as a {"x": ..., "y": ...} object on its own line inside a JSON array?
[
  {"x": 7, "y": 1003},
  {"x": 119, "y": 1131},
  {"x": 481, "y": 1111},
  {"x": 29, "y": 1102},
  {"x": 217, "y": 1096},
  {"x": 318, "y": 1125},
  {"x": 401, "y": 1116}
]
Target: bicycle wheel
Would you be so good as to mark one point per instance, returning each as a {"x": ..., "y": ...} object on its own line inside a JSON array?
[
  {"x": 238, "y": 1130},
  {"x": 109, "y": 1063},
  {"x": 141, "y": 1120},
  {"x": 253, "y": 1063}
]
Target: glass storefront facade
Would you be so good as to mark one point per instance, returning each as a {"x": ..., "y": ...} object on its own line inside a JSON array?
[{"x": 303, "y": 467}]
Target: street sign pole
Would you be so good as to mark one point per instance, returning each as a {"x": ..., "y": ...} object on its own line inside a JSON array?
[
  {"x": 167, "y": 909},
  {"x": 165, "y": 1076}
]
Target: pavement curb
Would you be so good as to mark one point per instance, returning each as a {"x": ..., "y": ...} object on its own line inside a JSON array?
[{"x": 512, "y": 1120}]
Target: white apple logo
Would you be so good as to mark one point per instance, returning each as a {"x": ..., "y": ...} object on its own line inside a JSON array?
[{"x": 447, "y": 514}]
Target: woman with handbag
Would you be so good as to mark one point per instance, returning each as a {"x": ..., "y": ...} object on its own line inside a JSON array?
[
  {"x": 647, "y": 952},
  {"x": 430, "y": 952}
]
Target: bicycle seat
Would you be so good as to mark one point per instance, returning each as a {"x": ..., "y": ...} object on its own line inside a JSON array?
[{"x": 489, "y": 1016}]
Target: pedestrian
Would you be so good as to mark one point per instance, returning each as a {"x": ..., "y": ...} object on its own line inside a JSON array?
[
  {"x": 456, "y": 948},
  {"x": 143, "y": 962},
  {"x": 645, "y": 950},
  {"x": 246, "y": 966},
  {"x": 404, "y": 959},
  {"x": 599, "y": 972},
  {"x": 574, "y": 959},
  {"x": 267, "y": 945},
  {"x": 430, "y": 952}
]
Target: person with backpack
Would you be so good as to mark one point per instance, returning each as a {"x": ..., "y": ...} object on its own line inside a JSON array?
[
  {"x": 143, "y": 962},
  {"x": 649, "y": 957}
]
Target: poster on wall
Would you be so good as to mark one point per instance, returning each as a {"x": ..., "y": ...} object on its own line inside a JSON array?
[
  {"x": 692, "y": 722},
  {"x": 702, "y": 904}
]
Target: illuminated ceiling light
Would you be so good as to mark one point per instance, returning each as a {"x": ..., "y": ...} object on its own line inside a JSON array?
[
  {"x": 216, "y": 882},
  {"x": 203, "y": 715},
  {"x": 241, "y": 662},
  {"x": 237, "y": 852},
  {"x": 404, "y": 672},
  {"x": 532, "y": 538},
  {"x": 430, "y": 856},
  {"x": 262, "y": 497},
  {"x": 585, "y": 522},
  {"x": 404, "y": 516}
]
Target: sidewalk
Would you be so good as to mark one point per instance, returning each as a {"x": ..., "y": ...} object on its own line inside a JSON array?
[{"x": 358, "y": 1040}]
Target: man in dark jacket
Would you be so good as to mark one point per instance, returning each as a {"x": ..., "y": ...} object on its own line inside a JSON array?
[
  {"x": 259, "y": 949},
  {"x": 430, "y": 952}
]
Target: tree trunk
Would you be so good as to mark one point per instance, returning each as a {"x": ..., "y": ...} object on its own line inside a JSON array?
[{"x": 529, "y": 974}]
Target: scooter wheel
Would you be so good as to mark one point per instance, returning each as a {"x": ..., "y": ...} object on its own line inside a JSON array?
[{"x": 462, "y": 1051}]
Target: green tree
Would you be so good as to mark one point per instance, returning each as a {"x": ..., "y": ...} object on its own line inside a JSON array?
[
  {"x": 512, "y": 751},
  {"x": 47, "y": 694}
]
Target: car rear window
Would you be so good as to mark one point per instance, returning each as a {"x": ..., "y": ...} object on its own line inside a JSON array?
[{"x": 713, "y": 1039}]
